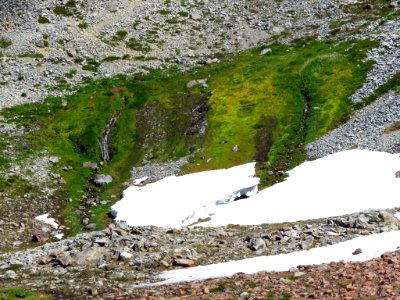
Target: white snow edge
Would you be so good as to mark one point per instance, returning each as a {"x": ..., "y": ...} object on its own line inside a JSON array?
[{"x": 372, "y": 246}]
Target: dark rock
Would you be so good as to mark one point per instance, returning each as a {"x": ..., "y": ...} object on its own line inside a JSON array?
[
  {"x": 257, "y": 244},
  {"x": 40, "y": 236},
  {"x": 357, "y": 251}
]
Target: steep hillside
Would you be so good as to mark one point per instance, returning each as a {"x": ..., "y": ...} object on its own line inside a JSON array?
[{"x": 96, "y": 95}]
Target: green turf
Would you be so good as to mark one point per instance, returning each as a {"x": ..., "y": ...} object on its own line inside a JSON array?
[{"x": 252, "y": 101}]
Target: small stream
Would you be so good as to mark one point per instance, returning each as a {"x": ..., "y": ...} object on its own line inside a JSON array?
[{"x": 105, "y": 145}]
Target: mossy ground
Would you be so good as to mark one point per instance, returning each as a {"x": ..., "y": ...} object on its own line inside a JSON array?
[
  {"x": 14, "y": 294},
  {"x": 252, "y": 101}
]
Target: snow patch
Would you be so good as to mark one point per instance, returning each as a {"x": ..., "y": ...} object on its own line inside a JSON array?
[
  {"x": 338, "y": 184},
  {"x": 372, "y": 246},
  {"x": 45, "y": 219},
  {"x": 177, "y": 201}
]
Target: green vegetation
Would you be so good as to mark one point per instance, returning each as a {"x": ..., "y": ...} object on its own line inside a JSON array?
[
  {"x": 62, "y": 10},
  {"x": 164, "y": 12},
  {"x": 14, "y": 294},
  {"x": 43, "y": 20},
  {"x": 183, "y": 14},
  {"x": 252, "y": 101},
  {"x": 135, "y": 24},
  {"x": 4, "y": 42},
  {"x": 120, "y": 35},
  {"x": 67, "y": 10},
  {"x": 31, "y": 55},
  {"x": 138, "y": 45},
  {"x": 83, "y": 25},
  {"x": 173, "y": 20},
  {"x": 91, "y": 65}
]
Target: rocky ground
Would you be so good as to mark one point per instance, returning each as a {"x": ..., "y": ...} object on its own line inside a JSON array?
[
  {"x": 374, "y": 279},
  {"x": 128, "y": 256},
  {"x": 61, "y": 42}
]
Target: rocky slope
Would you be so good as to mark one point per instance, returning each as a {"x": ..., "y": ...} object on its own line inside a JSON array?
[{"x": 44, "y": 44}]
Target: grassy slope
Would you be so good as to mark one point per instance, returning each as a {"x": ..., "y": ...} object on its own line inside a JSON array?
[{"x": 254, "y": 102}]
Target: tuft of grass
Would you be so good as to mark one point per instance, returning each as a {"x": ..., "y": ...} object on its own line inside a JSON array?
[
  {"x": 43, "y": 20},
  {"x": 83, "y": 25},
  {"x": 4, "y": 43},
  {"x": 31, "y": 55},
  {"x": 138, "y": 45},
  {"x": 62, "y": 10},
  {"x": 120, "y": 35}
]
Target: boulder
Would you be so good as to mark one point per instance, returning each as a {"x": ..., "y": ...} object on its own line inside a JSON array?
[
  {"x": 102, "y": 179},
  {"x": 257, "y": 244}
]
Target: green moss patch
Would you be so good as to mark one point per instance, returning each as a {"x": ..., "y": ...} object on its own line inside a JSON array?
[{"x": 255, "y": 108}]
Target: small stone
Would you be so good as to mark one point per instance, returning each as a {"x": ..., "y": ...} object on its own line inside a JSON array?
[
  {"x": 397, "y": 174},
  {"x": 40, "y": 236},
  {"x": 298, "y": 274},
  {"x": 46, "y": 260},
  {"x": 182, "y": 262},
  {"x": 101, "y": 241},
  {"x": 64, "y": 259},
  {"x": 307, "y": 243},
  {"x": 93, "y": 292},
  {"x": 89, "y": 164},
  {"x": 357, "y": 251},
  {"x": 265, "y": 51},
  {"x": 244, "y": 295},
  {"x": 102, "y": 179},
  {"x": 125, "y": 256},
  {"x": 54, "y": 159},
  {"x": 10, "y": 274},
  {"x": 196, "y": 15},
  {"x": 90, "y": 226},
  {"x": 257, "y": 244},
  {"x": 284, "y": 281}
]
